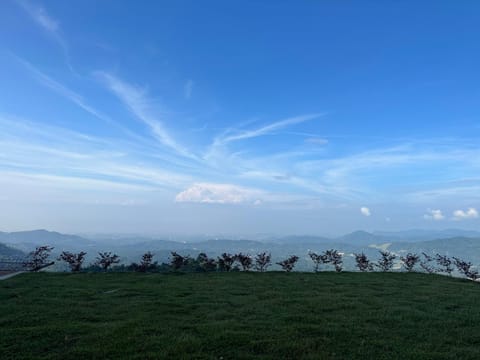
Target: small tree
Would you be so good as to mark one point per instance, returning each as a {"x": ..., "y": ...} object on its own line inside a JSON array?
[
  {"x": 409, "y": 261},
  {"x": 333, "y": 257},
  {"x": 38, "y": 258},
  {"x": 73, "y": 260},
  {"x": 246, "y": 261},
  {"x": 317, "y": 260},
  {"x": 263, "y": 261},
  {"x": 465, "y": 268},
  {"x": 146, "y": 263},
  {"x": 288, "y": 264},
  {"x": 445, "y": 263},
  {"x": 386, "y": 261},
  {"x": 425, "y": 264},
  {"x": 205, "y": 263},
  {"x": 362, "y": 262},
  {"x": 106, "y": 259},
  {"x": 178, "y": 261},
  {"x": 225, "y": 262}
]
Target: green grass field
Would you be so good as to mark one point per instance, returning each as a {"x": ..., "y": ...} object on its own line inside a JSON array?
[{"x": 239, "y": 316}]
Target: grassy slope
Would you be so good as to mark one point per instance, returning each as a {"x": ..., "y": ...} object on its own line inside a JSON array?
[{"x": 239, "y": 315}]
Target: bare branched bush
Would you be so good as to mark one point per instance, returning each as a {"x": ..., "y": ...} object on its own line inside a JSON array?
[
  {"x": 73, "y": 260},
  {"x": 106, "y": 259},
  {"x": 409, "y": 261},
  {"x": 246, "y": 261},
  {"x": 465, "y": 268},
  {"x": 386, "y": 261},
  {"x": 263, "y": 261},
  {"x": 38, "y": 258},
  {"x": 362, "y": 262},
  {"x": 288, "y": 264},
  {"x": 445, "y": 263}
]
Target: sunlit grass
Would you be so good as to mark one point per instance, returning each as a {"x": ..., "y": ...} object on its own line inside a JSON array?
[{"x": 239, "y": 315}]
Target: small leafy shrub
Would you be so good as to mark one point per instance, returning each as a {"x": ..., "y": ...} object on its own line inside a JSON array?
[
  {"x": 73, "y": 260},
  {"x": 288, "y": 264}
]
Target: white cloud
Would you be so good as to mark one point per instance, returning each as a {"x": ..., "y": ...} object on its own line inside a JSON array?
[
  {"x": 40, "y": 149},
  {"x": 219, "y": 194},
  {"x": 137, "y": 101},
  {"x": 434, "y": 215},
  {"x": 188, "y": 89},
  {"x": 471, "y": 213},
  {"x": 40, "y": 16},
  {"x": 316, "y": 141},
  {"x": 365, "y": 211},
  {"x": 71, "y": 95},
  {"x": 267, "y": 129},
  {"x": 62, "y": 90}
]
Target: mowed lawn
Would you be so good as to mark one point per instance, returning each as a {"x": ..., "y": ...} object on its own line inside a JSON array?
[{"x": 239, "y": 316}]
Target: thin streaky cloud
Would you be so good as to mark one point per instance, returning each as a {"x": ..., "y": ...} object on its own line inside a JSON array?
[
  {"x": 62, "y": 90},
  {"x": 71, "y": 96},
  {"x": 52, "y": 26},
  {"x": 82, "y": 160},
  {"x": 40, "y": 16},
  {"x": 268, "y": 129},
  {"x": 137, "y": 102},
  {"x": 55, "y": 138},
  {"x": 188, "y": 89},
  {"x": 216, "y": 151},
  {"x": 59, "y": 181}
]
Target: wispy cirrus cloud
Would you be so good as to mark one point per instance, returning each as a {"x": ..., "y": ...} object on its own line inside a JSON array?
[
  {"x": 40, "y": 16},
  {"x": 60, "y": 89},
  {"x": 218, "y": 153},
  {"x": 264, "y": 130},
  {"x": 188, "y": 89},
  {"x": 52, "y": 26},
  {"x": 137, "y": 101},
  {"x": 316, "y": 140},
  {"x": 70, "y": 95},
  {"x": 40, "y": 149}
]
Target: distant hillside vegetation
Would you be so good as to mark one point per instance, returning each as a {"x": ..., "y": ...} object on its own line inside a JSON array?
[{"x": 8, "y": 252}]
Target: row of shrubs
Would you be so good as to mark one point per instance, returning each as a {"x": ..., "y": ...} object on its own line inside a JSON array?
[{"x": 106, "y": 261}]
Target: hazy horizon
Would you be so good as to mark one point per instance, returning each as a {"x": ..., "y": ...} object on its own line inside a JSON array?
[
  {"x": 241, "y": 118},
  {"x": 186, "y": 236}
]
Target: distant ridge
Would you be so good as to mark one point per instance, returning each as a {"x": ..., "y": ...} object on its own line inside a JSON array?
[
  {"x": 26, "y": 240},
  {"x": 422, "y": 235},
  {"x": 363, "y": 238}
]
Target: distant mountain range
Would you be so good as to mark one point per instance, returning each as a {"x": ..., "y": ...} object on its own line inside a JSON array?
[{"x": 461, "y": 243}]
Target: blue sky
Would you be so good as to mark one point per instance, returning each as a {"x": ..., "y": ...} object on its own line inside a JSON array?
[{"x": 239, "y": 117}]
